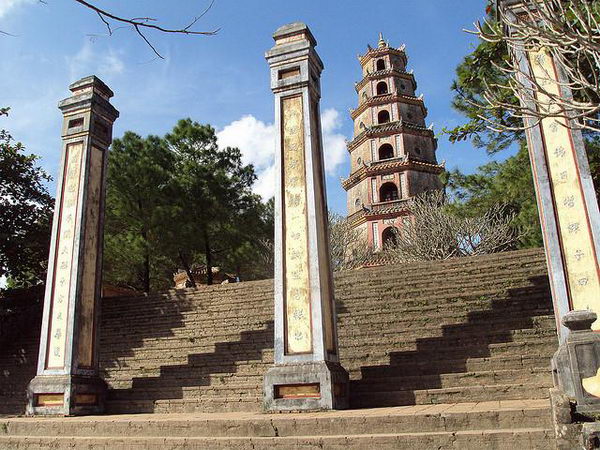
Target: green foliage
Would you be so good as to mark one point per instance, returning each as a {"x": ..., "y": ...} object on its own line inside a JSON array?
[
  {"x": 25, "y": 214},
  {"x": 139, "y": 183},
  {"x": 179, "y": 201},
  {"x": 477, "y": 73},
  {"x": 509, "y": 183}
]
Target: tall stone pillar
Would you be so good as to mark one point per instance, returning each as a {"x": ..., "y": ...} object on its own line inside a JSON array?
[
  {"x": 67, "y": 381},
  {"x": 564, "y": 188},
  {"x": 307, "y": 374}
]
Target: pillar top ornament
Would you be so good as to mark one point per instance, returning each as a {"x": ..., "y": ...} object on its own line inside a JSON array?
[
  {"x": 293, "y": 59},
  {"x": 87, "y": 91}
]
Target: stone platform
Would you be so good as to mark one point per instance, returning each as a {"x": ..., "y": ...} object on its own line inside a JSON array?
[{"x": 514, "y": 424}]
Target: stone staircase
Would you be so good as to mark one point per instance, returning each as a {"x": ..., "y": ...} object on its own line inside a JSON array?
[
  {"x": 490, "y": 425},
  {"x": 459, "y": 335}
]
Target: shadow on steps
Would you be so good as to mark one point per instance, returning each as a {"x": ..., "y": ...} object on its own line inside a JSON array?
[{"x": 409, "y": 375}]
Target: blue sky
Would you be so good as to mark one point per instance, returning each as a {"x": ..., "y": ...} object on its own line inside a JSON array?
[{"x": 223, "y": 80}]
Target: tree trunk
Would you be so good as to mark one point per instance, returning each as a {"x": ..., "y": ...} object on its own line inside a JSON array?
[
  {"x": 146, "y": 264},
  {"x": 187, "y": 268},
  {"x": 208, "y": 256}
]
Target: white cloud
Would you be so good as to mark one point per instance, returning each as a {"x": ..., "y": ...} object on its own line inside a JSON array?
[
  {"x": 7, "y": 5},
  {"x": 89, "y": 62},
  {"x": 256, "y": 140},
  {"x": 334, "y": 143}
]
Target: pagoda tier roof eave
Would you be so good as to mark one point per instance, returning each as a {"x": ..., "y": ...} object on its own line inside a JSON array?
[
  {"x": 382, "y": 168},
  {"x": 389, "y": 98},
  {"x": 388, "y": 129},
  {"x": 384, "y": 73},
  {"x": 380, "y": 51},
  {"x": 362, "y": 216}
]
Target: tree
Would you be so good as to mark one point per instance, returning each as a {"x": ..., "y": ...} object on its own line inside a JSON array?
[
  {"x": 181, "y": 201},
  {"x": 140, "y": 186},
  {"x": 436, "y": 232},
  {"x": 215, "y": 206},
  {"x": 348, "y": 245},
  {"x": 25, "y": 214},
  {"x": 569, "y": 32},
  {"x": 481, "y": 74},
  {"x": 508, "y": 182}
]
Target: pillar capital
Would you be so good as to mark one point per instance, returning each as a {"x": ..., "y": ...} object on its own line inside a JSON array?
[{"x": 293, "y": 60}]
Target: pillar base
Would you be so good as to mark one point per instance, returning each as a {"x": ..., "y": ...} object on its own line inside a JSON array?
[
  {"x": 66, "y": 395},
  {"x": 313, "y": 386}
]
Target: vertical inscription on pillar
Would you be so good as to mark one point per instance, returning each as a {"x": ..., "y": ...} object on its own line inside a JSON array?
[
  {"x": 579, "y": 256},
  {"x": 90, "y": 259},
  {"x": 297, "y": 293},
  {"x": 63, "y": 262}
]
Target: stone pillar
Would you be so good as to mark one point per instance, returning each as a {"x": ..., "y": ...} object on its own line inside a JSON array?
[
  {"x": 67, "y": 381},
  {"x": 307, "y": 374},
  {"x": 564, "y": 188}
]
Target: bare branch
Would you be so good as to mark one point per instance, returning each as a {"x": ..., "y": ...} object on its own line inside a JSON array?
[
  {"x": 140, "y": 23},
  {"x": 570, "y": 33}
]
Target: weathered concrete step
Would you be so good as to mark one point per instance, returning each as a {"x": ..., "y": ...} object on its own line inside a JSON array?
[
  {"x": 158, "y": 390},
  {"x": 401, "y": 308},
  {"x": 496, "y": 324},
  {"x": 449, "y": 395},
  {"x": 447, "y": 380},
  {"x": 506, "y": 287},
  {"x": 521, "y": 438},
  {"x": 425, "y": 367},
  {"x": 214, "y": 296},
  {"x": 443, "y": 417},
  {"x": 178, "y": 406},
  {"x": 398, "y": 355}
]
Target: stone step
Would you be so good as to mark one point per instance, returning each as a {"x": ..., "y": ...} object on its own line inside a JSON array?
[
  {"x": 442, "y": 417},
  {"x": 425, "y": 367},
  {"x": 494, "y": 287},
  {"x": 192, "y": 338},
  {"x": 541, "y": 376},
  {"x": 449, "y": 395},
  {"x": 520, "y": 438}
]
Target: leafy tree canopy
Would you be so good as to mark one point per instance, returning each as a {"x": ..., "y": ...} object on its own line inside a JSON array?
[
  {"x": 25, "y": 214},
  {"x": 181, "y": 201}
]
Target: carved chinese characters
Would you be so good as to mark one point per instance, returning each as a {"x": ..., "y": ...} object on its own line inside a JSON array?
[
  {"x": 64, "y": 257},
  {"x": 575, "y": 234},
  {"x": 297, "y": 294}
]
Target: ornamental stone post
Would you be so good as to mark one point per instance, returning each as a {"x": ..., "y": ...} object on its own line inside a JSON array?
[
  {"x": 67, "y": 381},
  {"x": 307, "y": 374},
  {"x": 565, "y": 192}
]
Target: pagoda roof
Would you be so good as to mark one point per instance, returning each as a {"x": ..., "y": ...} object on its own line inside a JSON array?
[
  {"x": 382, "y": 50},
  {"x": 391, "y": 165},
  {"x": 386, "y": 129},
  {"x": 389, "y": 98},
  {"x": 381, "y": 210},
  {"x": 385, "y": 73}
]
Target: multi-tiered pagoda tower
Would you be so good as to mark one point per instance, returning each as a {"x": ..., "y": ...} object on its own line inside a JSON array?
[{"x": 393, "y": 151}]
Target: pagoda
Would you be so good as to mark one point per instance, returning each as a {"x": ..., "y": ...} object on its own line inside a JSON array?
[{"x": 392, "y": 153}]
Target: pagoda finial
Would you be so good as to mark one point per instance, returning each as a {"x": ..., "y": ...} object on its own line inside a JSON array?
[{"x": 382, "y": 42}]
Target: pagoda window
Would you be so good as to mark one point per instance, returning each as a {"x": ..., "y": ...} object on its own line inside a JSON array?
[
  {"x": 382, "y": 88},
  {"x": 388, "y": 237},
  {"x": 383, "y": 117},
  {"x": 380, "y": 64},
  {"x": 388, "y": 192},
  {"x": 386, "y": 151}
]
